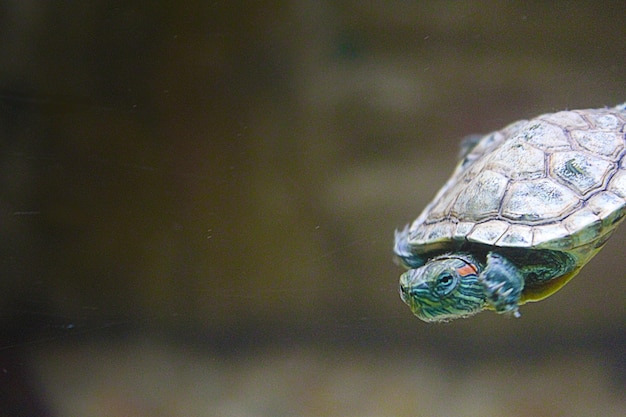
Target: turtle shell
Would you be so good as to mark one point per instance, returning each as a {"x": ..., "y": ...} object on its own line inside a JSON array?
[{"x": 555, "y": 182}]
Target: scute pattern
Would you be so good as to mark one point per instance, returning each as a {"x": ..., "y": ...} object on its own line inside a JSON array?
[
  {"x": 607, "y": 144},
  {"x": 537, "y": 200},
  {"x": 557, "y": 182},
  {"x": 517, "y": 160},
  {"x": 578, "y": 171},
  {"x": 480, "y": 199}
]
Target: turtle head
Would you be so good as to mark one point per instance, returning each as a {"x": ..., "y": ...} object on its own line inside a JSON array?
[{"x": 447, "y": 287}]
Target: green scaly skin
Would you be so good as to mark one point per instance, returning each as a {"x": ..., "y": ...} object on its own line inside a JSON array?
[
  {"x": 461, "y": 284},
  {"x": 457, "y": 285},
  {"x": 437, "y": 292}
]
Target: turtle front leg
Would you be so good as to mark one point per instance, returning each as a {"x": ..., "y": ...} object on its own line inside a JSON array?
[
  {"x": 503, "y": 284},
  {"x": 402, "y": 249}
]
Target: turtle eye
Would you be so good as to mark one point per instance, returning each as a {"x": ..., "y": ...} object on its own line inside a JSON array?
[{"x": 444, "y": 284}]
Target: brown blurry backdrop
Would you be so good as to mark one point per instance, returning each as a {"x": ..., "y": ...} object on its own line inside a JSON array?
[{"x": 198, "y": 200}]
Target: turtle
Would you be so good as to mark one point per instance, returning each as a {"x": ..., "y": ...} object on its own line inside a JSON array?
[{"x": 525, "y": 209}]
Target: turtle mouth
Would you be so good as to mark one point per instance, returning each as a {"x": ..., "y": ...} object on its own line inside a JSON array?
[
  {"x": 414, "y": 297},
  {"x": 424, "y": 313},
  {"x": 436, "y": 313},
  {"x": 410, "y": 296},
  {"x": 432, "y": 314},
  {"x": 412, "y": 291}
]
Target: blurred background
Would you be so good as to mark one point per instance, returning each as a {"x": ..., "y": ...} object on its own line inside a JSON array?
[{"x": 198, "y": 200}]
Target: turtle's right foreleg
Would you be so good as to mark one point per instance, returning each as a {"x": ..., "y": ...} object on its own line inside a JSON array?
[
  {"x": 503, "y": 284},
  {"x": 402, "y": 249}
]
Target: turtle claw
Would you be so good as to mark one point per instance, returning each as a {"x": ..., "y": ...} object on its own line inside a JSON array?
[{"x": 512, "y": 314}]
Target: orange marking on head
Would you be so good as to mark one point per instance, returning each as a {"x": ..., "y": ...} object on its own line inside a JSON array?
[{"x": 467, "y": 270}]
